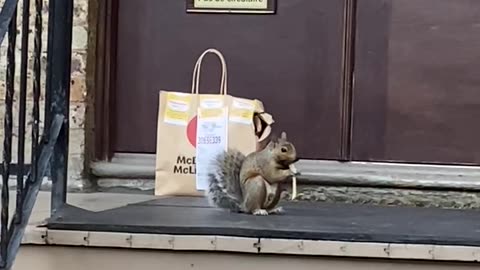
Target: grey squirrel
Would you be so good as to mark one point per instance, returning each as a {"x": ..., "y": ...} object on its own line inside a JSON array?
[{"x": 251, "y": 183}]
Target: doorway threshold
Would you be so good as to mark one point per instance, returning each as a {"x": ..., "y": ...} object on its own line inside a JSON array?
[{"x": 141, "y": 168}]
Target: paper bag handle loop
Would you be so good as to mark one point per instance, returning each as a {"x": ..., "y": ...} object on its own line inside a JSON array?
[{"x": 197, "y": 68}]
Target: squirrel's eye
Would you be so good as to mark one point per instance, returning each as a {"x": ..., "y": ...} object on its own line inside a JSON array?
[{"x": 284, "y": 150}]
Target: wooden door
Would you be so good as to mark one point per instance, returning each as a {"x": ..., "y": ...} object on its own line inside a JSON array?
[
  {"x": 291, "y": 60},
  {"x": 417, "y": 81}
]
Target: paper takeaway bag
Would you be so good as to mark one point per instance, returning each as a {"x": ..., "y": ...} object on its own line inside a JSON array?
[{"x": 245, "y": 124}]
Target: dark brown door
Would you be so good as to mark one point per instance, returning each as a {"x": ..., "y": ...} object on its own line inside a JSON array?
[
  {"x": 417, "y": 81},
  {"x": 292, "y": 61}
]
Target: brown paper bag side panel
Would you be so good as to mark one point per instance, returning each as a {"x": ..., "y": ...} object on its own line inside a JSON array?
[{"x": 173, "y": 146}]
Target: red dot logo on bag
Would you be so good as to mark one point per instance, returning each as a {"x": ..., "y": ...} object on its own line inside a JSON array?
[{"x": 192, "y": 132}]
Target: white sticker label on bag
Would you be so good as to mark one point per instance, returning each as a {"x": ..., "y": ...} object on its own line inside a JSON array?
[
  {"x": 177, "y": 108},
  {"x": 211, "y": 103},
  {"x": 242, "y": 111},
  {"x": 212, "y": 135}
]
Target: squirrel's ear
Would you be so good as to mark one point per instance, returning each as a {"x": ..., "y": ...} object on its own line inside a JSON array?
[
  {"x": 273, "y": 137},
  {"x": 271, "y": 144},
  {"x": 284, "y": 135}
]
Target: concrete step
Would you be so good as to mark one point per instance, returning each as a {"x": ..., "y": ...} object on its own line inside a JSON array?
[
  {"x": 332, "y": 181},
  {"x": 80, "y": 258}
]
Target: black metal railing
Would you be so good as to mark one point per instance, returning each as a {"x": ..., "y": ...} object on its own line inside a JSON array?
[{"x": 50, "y": 150}]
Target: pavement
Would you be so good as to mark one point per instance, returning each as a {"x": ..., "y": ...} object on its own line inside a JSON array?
[{"x": 98, "y": 201}]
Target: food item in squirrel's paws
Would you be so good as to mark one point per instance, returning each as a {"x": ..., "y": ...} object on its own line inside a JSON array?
[{"x": 294, "y": 181}]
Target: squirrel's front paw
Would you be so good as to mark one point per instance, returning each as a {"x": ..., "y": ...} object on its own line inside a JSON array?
[
  {"x": 296, "y": 173},
  {"x": 293, "y": 171},
  {"x": 260, "y": 212}
]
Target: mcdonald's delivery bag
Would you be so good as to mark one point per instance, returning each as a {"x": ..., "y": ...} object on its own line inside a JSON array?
[{"x": 192, "y": 128}]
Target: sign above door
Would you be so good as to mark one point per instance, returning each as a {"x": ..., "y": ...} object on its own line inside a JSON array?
[{"x": 232, "y": 6}]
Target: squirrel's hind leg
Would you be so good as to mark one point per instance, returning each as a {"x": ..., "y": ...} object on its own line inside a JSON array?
[
  {"x": 260, "y": 212},
  {"x": 274, "y": 192},
  {"x": 255, "y": 193},
  {"x": 277, "y": 211}
]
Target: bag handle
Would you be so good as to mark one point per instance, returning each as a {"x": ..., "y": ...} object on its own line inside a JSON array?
[
  {"x": 197, "y": 68},
  {"x": 196, "y": 72}
]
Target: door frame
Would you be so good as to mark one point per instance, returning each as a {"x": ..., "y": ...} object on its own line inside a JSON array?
[{"x": 103, "y": 56}]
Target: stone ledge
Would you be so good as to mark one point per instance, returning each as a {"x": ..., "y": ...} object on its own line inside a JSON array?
[
  {"x": 390, "y": 175},
  {"x": 73, "y": 185},
  {"x": 327, "y": 173},
  {"x": 345, "y": 194},
  {"x": 330, "y": 181},
  {"x": 388, "y": 196},
  {"x": 43, "y": 236}
]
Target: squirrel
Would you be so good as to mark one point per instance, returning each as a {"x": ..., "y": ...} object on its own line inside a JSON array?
[{"x": 251, "y": 183}]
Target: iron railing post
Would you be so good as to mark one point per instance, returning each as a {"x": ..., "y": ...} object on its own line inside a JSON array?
[
  {"x": 58, "y": 88},
  {"x": 7, "y": 140},
  {"x": 22, "y": 108}
]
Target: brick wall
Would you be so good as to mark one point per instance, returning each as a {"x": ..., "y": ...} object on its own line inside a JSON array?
[{"x": 78, "y": 87}]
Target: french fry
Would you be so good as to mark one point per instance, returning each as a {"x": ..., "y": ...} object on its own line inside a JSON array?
[{"x": 294, "y": 181}]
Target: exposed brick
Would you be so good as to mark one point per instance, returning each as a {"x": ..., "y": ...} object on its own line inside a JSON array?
[
  {"x": 80, "y": 35},
  {"x": 78, "y": 89}
]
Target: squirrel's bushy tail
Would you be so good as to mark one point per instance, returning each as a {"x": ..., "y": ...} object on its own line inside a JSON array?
[{"x": 224, "y": 190}]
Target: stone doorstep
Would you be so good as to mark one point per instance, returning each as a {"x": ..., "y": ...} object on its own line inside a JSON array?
[
  {"x": 139, "y": 167},
  {"x": 454, "y": 187},
  {"x": 74, "y": 185},
  {"x": 42, "y": 236}
]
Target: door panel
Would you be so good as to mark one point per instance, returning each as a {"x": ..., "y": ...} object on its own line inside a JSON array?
[
  {"x": 417, "y": 78},
  {"x": 292, "y": 61}
]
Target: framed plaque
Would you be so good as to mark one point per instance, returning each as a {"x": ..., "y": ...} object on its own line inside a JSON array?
[{"x": 232, "y": 6}]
